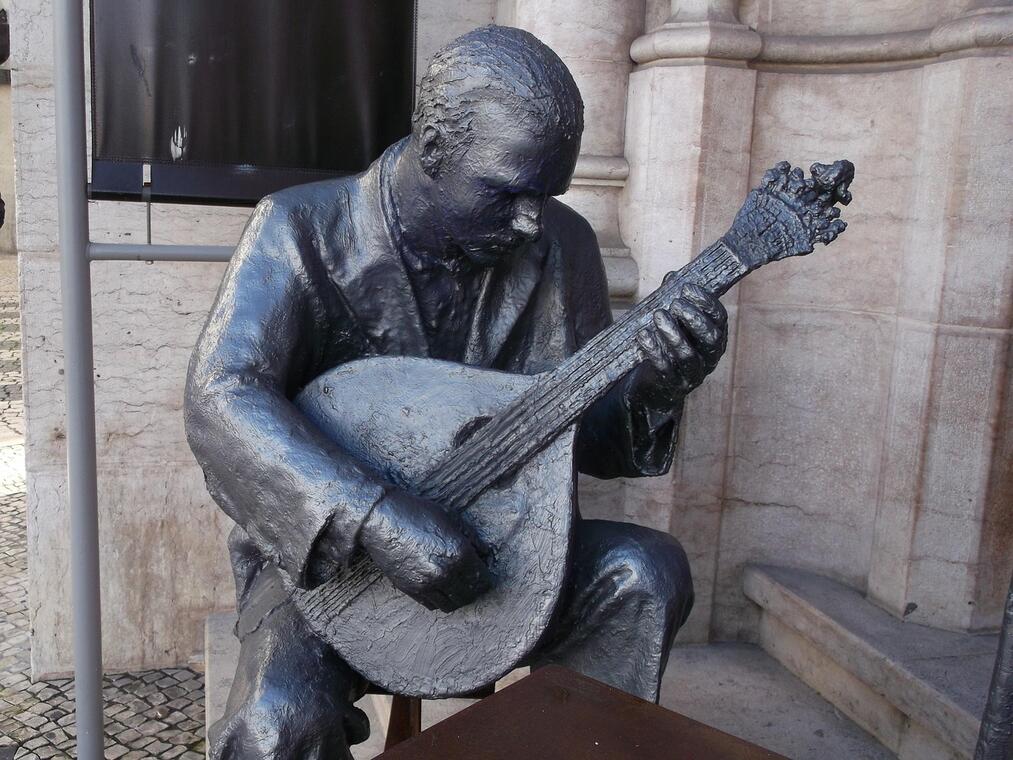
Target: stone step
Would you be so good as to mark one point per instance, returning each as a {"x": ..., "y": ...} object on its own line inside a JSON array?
[
  {"x": 919, "y": 690},
  {"x": 736, "y": 688}
]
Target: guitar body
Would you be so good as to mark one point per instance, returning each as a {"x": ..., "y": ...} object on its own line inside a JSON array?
[{"x": 403, "y": 416}]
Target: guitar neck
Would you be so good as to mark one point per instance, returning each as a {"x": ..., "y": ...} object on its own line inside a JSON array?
[{"x": 562, "y": 395}]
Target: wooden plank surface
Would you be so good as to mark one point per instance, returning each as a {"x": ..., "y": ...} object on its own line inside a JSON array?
[{"x": 556, "y": 713}]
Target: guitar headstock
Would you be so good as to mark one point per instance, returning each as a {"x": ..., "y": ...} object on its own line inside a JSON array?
[{"x": 789, "y": 212}]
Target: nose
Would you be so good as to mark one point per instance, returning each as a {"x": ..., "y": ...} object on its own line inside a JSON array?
[{"x": 527, "y": 217}]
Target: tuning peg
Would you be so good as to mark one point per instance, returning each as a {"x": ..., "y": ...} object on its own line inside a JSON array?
[{"x": 836, "y": 177}]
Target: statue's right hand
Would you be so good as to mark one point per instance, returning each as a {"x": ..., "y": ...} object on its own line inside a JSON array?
[{"x": 423, "y": 552}]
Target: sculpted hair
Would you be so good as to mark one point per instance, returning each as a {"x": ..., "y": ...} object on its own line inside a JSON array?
[{"x": 499, "y": 64}]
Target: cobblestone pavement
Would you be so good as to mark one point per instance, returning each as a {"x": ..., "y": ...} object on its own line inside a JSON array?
[{"x": 154, "y": 714}]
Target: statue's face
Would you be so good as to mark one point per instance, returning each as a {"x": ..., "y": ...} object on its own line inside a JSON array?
[{"x": 492, "y": 197}]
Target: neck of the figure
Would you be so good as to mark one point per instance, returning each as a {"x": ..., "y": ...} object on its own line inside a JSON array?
[{"x": 413, "y": 218}]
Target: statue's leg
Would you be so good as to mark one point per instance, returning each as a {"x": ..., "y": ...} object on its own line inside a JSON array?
[
  {"x": 629, "y": 592},
  {"x": 292, "y": 696}
]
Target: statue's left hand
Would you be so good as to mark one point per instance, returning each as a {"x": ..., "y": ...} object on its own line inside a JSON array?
[{"x": 682, "y": 346}]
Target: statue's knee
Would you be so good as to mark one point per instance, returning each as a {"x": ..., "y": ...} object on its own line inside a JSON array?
[
  {"x": 264, "y": 727},
  {"x": 673, "y": 564},
  {"x": 272, "y": 727},
  {"x": 654, "y": 564},
  {"x": 677, "y": 579}
]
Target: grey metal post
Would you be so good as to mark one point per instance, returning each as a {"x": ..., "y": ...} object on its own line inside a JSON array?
[{"x": 78, "y": 375}]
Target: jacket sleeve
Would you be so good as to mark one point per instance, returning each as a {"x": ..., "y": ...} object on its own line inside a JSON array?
[
  {"x": 616, "y": 437},
  {"x": 620, "y": 439},
  {"x": 267, "y": 467}
]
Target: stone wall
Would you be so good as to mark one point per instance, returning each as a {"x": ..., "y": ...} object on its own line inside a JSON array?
[{"x": 859, "y": 424}]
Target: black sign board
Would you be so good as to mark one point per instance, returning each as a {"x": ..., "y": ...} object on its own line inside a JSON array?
[{"x": 228, "y": 100}]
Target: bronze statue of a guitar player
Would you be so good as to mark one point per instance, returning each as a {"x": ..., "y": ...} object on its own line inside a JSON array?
[{"x": 401, "y": 374}]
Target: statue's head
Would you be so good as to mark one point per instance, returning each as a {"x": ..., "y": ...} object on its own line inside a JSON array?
[{"x": 496, "y": 131}]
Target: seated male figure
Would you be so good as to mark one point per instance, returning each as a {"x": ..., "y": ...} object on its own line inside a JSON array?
[{"x": 450, "y": 246}]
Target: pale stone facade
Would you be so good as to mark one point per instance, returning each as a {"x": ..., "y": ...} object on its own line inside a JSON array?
[{"x": 860, "y": 423}]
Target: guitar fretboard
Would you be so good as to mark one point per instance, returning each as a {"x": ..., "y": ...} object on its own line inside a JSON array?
[{"x": 562, "y": 395}]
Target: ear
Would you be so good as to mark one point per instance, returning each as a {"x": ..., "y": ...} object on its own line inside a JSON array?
[{"x": 432, "y": 150}]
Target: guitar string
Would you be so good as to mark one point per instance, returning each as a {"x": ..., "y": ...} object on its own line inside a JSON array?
[{"x": 560, "y": 384}]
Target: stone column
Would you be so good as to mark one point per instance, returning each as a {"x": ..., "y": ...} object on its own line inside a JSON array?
[
  {"x": 7, "y": 247},
  {"x": 943, "y": 543},
  {"x": 593, "y": 39},
  {"x": 688, "y": 119},
  {"x": 688, "y": 130},
  {"x": 979, "y": 5}
]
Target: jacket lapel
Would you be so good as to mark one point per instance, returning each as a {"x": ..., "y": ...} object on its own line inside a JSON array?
[
  {"x": 372, "y": 278},
  {"x": 505, "y": 294}
]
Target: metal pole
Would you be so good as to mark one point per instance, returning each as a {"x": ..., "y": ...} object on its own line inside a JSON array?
[
  {"x": 136, "y": 252},
  {"x": 78, "y": 375}
]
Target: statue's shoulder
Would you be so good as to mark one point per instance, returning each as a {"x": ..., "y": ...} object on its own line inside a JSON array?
[
  {"x": 567, "y": 227},
  {"x": 581, "y": 264},
  {"x": 290, "y": 223},
  {"x": 310, "y": 205}
]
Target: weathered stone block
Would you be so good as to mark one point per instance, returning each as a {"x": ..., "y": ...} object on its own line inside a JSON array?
[
  {"x": 181, "y": 224},
  {"x": 146, "y": 320},
  {"x": 839, "y": 687},
  {"x": 666, "y": 223},
  {"x": 602, "y": 84},
  {"x": 163, "y": 560},
  {"x": 953, "y": 271},
  {"x": 967, "y": 389},
  {"x": 937, "y": 680},
  {"x": 742, "y": 690},
  {"x": 32, "y": 115},
  {"x": 440, "y": 21},
  {"x": 901, "y": 475},
  {"x": 799, "y": 118},
  {"x": 31, "y": 23},
  {"x": 805, "y": 451},
  {"x": 801, "y": 17}
]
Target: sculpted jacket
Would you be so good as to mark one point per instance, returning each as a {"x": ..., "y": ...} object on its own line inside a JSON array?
[{"x": 317, "y": 280}]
